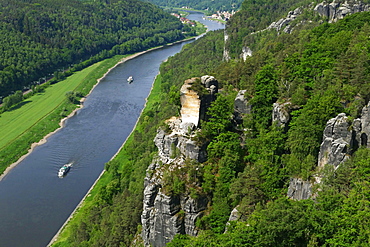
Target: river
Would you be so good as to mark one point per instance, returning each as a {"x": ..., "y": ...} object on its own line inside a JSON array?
[{"x": 34, "y": 202}]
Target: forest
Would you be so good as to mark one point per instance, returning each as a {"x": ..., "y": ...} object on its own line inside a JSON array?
[
  {"x": 44, "y": 39},
  {"x": 322, "y": 69}
]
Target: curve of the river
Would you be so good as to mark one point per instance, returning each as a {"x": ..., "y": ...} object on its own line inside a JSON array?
[{"x": 34, "y": 202}]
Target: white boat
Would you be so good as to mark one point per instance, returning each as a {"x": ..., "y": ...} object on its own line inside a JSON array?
[
  {"x": 64, "y": 170},
  {"x": 130, "y": 79}
]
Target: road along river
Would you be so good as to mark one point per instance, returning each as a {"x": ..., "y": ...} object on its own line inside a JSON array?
[{"x": 34, "y": 202}]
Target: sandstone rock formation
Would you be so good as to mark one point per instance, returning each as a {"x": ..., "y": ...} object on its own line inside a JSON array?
[
  {"x": 246, "y": 52},
  {"x": 281, "y": 114},
  {"x": 241, "y": 106},
  {"x": 299, "y": 189},
  {"x": 284, "y": 22},
  {"x": 340, "y": 139},
  {"x": 335, "y": 11},
  {"x": 226, "y": 54},
  {"x": 166, "y": 214},
  {"x": 337, "y": 138}
]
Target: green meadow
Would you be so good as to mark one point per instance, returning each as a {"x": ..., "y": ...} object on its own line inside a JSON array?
[{"x": 35, "y": 117}]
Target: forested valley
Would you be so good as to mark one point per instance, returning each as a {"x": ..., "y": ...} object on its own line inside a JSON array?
[
  {"x": 321, "y": 69},
  {"x": 51, "y": 39}
]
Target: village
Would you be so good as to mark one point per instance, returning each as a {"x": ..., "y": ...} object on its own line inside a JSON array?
[{"x": 219, "y": 15}]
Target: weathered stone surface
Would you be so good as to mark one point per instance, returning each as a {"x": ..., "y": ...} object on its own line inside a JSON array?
[
  {"x": 280, "y": 114},
  {"x": 226, "y": 54},
  {"x": 234, "y": 215},
  {"x": 283, "y": 24},
  {"x": 336, "y": 11},
  {"x": 337, "y": 138},
  {"x": 299, "y": 189},
  {"x": 190, "y": 103},
  {"x": 363, "y": 136},
  {"x": 164, "y": 216},
  {"x": 241, "y": 106},
  {"x": 246, "y": 52},
  {"x": 340, "y": 139},
  {"x": 193, "y": 107}
]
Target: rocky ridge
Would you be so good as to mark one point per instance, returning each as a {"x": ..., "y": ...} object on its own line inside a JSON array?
[
  {"x": 333, "y": 12},
  {"x": 166, "y": 212},
  {"x": 341, "y": 138}
]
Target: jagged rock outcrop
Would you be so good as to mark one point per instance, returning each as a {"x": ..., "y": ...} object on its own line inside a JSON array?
[
  {"x": 281, "y": 114},
  {"x": 241, "y": 106},
  {"x": 299, "y": 189},
  {"x": 226, "y": 54},
  {"x": 166, "y": 213},
  {"x": 284, "y": 22},
  {"x": 246, "y": 52},
  {"x": 341, "y": 138},
  {"x": 335, "y": 11},
  {"x": 194, "y": 106},
  {"x": 337, "y": 139}
]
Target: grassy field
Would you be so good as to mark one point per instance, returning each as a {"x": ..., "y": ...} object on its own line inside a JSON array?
[
  {"x": 40, "y": 114},
  {"x": 14, "y": 123}
]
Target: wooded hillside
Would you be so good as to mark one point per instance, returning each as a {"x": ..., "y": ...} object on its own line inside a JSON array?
[{"x": 44, "y": 37}]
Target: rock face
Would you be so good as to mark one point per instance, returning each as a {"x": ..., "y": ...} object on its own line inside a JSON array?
[
  {"x": 193, "y": 107},
  {"x": 299, "y": 189},
  {"x": 283, "y": 24},
  {"x": 246, "y": 52},
  {"x": 335, "y": 11},
  {"x": 241, "y": 106},
  {"x": 281, "y": 114},
  {"x": 340, "y": 139},
  {"x": 337, "y": 139},
  {"x": 226, "y": 55},
  {"x": 165, "y": 213}
]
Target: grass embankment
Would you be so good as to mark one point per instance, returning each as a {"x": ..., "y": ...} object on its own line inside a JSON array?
[
  {"x": 123, "y": 157},
  {"x": 31, "y": 120}
]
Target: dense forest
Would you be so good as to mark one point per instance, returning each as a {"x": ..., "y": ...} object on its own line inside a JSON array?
[
  {"x": 42, "y": 39},
  {"x": 211, "y": 6},
  {"x": 322, "y": 70}
]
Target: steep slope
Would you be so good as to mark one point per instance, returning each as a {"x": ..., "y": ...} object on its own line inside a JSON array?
[{"x": 308, "y": 91}]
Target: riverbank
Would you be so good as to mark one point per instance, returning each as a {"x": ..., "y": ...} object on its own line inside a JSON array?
[
  {"x": 62, "y": 121},
  {"x": 111, "y": 211},
  {"x": 55, "y": 238}
]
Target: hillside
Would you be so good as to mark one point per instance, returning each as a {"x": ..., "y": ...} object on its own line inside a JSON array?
[
  {"x": 44, "y": 37},
  {"x": 280, "y": 159}
]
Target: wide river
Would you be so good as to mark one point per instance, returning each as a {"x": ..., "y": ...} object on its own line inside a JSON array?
[{"x": 34, "y": 202}]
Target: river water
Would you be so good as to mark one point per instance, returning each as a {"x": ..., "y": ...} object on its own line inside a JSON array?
[{"x": 34, "y": 202}]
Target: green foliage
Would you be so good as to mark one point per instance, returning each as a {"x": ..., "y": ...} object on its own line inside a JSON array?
[
  {"x": 306, "y": 128},
  {"x": 265, "y": 95},
  {"x": 220, "y": 114},
  {"x": 12, "y": 100},
  {"x": 61, "y": 37}
]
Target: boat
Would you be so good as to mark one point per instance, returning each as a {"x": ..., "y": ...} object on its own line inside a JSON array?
[
  {"x": 64, "y": 170},
  {"x": 130, "y": 79}
]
